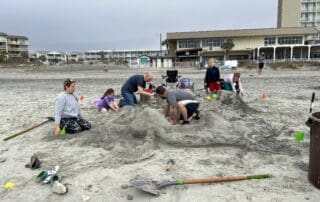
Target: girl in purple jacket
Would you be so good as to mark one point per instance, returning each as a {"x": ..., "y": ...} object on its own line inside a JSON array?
[{"x": 107, "y": 101}]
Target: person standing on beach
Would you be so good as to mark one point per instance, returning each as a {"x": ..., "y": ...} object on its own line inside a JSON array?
[
  {"x": 181, "y": 102},
  {"x": 136, "y": 83},
  {"x": 261, "y": 59},
  {"x": 212, "y": 78},
  {"x": 67, "y": 110}
]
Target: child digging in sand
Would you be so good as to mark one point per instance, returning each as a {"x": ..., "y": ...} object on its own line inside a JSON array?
[{"x": 107, "y": 101}]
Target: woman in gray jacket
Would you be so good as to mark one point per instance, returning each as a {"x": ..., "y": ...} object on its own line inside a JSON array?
[{"x": 67, "y": 110}]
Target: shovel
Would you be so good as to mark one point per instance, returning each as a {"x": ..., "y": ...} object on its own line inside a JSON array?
[
  {"x": 153, "y": 187},
  {"x": 28, "y": 129}
]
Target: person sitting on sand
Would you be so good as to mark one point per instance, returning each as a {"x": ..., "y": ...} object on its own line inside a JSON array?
[
  {"x": 136, "y": 83},
  {"x": 234, "y": 83},
  {"x": 186, "y": 84},
  {"x": 212, "y": 78},
  {"x": 181, "y": 102},
  {"x": 107, "y": 101},
  {"x": 67, "y": 110}
]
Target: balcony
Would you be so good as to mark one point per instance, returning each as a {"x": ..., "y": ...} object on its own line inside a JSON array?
[
  {"x": 17, "y": 42},
  {"x": 18, "y": 49}
]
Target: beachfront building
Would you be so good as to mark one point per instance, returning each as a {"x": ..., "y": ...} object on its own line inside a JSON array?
[
  {"x": 134, "y": 58},
  {"x": 3, "y": 44},
  {"x": 51, "y": 57},
  {"x": 296, "y": 13},
  {"x": 13, "y": 46},
  {"x": 276, "y": 43},
  {"x": 75, "y": 57},
  {"x": 17, "y": 46}
]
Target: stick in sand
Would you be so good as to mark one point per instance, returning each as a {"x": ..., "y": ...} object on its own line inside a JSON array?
[{"x": 28, "y": 129}]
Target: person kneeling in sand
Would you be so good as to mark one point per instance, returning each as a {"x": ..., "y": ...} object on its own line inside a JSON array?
[
  {"x": 136, "y": 83},
  {"x": 67, "y": 110},
  {"x": 233, "y": 83},
  {"x": 181, "y": 102},
  {"x": 107, "y": 101}
]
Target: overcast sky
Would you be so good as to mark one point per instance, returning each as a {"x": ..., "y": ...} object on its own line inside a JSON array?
[{"x": 79, "y": 25}]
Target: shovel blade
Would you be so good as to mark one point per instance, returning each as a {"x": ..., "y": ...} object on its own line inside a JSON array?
[{"x": 146, "y": 185}]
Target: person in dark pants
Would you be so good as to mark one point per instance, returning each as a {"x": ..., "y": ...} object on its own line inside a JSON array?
[
  {"x": 67, "y": 110},
  {"x": 181, "y": 102},
  {"x": 261, "y": 59},
  {"x": 136, "y": 83}
]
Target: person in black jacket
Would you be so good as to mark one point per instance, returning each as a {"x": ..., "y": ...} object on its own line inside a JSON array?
[{"x": 212, "y": 78}]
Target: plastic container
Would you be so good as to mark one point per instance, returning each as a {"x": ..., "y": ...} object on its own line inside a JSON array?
[{"x": 314, "y": 160}]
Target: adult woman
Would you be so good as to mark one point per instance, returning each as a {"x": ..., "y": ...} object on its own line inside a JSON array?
[{"x": 67, "y": 110}]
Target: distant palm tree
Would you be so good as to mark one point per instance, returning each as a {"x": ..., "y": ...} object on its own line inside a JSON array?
[
  {"x": 42, "y": 58},
  {"x": 101, "y": 53},
  {"x": 227, "y": 46}
]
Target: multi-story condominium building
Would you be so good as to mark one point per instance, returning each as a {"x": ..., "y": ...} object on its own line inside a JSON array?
[
  {"x": 14, "y": 46},
  {"x": 298, "y": 13},
  {"x": 276, "y": 43},
  {"x": 51, "y": 56},
  {"x": 3, "y": 43},
  {"x": 17, "y": 46},
  {"x": 135, "y": 58},
  {"x": 75, "y": 57}
]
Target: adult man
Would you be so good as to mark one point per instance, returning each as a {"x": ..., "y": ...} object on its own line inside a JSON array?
[
  {"x": 135, "y": 83},
  {"x": 181, "y": 102}
]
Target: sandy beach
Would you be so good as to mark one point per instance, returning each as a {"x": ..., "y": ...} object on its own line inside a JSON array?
[{"x": 233, "y": 137}]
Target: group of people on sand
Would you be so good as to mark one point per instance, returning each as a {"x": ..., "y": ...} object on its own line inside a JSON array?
[
  {"x": 182, "y": 103},
  {"x": 214, "y": 83}
]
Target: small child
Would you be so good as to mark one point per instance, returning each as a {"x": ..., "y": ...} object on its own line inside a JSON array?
[{"x": 107, "y": 101}]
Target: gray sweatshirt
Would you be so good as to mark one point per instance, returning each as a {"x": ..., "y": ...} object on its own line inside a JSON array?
[{"x": 67, "y": 106}]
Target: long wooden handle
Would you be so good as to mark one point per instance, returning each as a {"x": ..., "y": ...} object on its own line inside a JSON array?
[
  {"x": 25, "y": 130},
  {"x": 222, "y": 179}
]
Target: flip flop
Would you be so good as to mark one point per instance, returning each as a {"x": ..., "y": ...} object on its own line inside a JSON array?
[{"x": 57, "y": 187}]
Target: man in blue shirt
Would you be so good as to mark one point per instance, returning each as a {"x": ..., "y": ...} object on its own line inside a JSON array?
[{"x": 135, "y": 83}]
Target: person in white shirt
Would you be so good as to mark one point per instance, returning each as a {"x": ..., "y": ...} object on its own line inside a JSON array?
[{"x": 235, "y": 83}]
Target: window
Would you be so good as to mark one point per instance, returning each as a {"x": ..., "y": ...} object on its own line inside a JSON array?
[
  {"x": 290, "y": 40},
  {"x": 269, "y": 41},
  {"x": 212, "y": 42},
  {"x": 189, "y": 44}
]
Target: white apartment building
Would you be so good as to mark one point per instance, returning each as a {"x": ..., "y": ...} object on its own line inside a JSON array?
[{"x": 135, "y": 58}]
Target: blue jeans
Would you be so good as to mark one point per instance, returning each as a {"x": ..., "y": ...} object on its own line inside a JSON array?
[{"x": 128, "y": 99}]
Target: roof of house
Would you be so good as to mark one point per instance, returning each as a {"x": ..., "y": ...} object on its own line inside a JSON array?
[
  {"x": 17, "y": 37},
  {"x": 3, "y": 34},
  {"x": 242, "y": 33}
]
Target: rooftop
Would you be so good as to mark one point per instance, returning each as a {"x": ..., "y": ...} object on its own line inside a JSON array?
[
  {"x": 17, "y": 37},
  {"x": 242, "y": 33}
]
